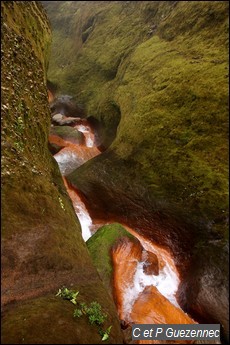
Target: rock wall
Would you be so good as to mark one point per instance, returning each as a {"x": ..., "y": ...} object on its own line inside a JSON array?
[
  {"x": 159, "y": 69},
  {"x": 42, "y": 246}
]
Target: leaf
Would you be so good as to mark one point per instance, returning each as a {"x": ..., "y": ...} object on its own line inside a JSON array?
[
  {"x": 106, "y": 334},
  {"x": 77, "y": 313},
  {"x": 105, "y": 337},
  {"x": 73, "y": 300}
]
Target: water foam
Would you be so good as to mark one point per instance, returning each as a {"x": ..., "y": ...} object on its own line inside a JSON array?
[{"x": 166, "y": 283}]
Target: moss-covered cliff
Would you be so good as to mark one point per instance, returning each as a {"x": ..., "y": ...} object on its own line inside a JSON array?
[
  {"x": 42, "y": 246},
  {"x": 160, "y": 70}
]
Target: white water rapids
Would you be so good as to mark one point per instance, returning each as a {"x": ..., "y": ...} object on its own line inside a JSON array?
[{"x": 167, "y": 281}]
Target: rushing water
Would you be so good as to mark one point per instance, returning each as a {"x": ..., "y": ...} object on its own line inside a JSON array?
[{"x": 167, "y": 281}]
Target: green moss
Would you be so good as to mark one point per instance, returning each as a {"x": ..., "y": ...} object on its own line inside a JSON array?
[
  {"x": 41, "y": 235},
  {"x": 165, "y": 67},
  {"x": 50, "y": 320},
  {"x": 100, "y": 245}
]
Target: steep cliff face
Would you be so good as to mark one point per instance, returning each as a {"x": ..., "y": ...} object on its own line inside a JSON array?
[
  {"x": 42, "y": 246},
  {"x": 159, "y": 69}
]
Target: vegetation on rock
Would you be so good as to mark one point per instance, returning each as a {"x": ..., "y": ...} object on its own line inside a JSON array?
[
  {"x": 93, "y": 311},
  {"x": 100, "y": 245},
  {"x": 163, "y": 67},
  {"x": 42, "y": 246}
]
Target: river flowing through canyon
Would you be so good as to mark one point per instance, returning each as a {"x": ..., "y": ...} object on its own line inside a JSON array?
[{"x": 145, "y": 277}]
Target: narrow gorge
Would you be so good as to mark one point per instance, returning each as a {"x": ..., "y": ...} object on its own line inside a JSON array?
[{"x": 114, "y": 169}]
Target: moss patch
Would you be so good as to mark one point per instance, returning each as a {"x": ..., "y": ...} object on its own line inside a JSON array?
[
  {"x": 165, "y": 67},
  {"x": 100, "y": 245},
  {"x": 170, "y": 84}
]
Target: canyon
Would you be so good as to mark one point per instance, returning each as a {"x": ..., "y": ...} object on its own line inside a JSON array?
[{"x": 114, "y": 166}]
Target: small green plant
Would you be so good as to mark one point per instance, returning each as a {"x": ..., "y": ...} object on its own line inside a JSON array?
[
  {"x": 105, "y": 334},
  {"x": 95, "y": 314},
  {"x": 77, "y": 313},
  {"x": 93, "y": 311},
  {"x": 68, "y": 294}
]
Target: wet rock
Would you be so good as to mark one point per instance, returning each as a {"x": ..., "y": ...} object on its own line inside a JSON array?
[
  {"x": 68, "y": 133},
  {"x": 54, "y": 148},
  {"x": 121, "y": 197},
  {"x": 152, "y": 307},
  {"x": 100, "y": 246},
  {"x": 63, "y": 121},
  {"x": 127, "y": 334},
  {"x": 125, "y": 256},
  {"x": 57, "y": 118},
  {"x": 204, "y": 293},
  {"x": 151, "y": 265}
]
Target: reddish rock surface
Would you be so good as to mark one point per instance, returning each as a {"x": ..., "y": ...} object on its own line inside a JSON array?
[
  {"x": 151, "y": 265},
  {"x": 125, "y": 255},
  {"x": 153, "y": 308}
]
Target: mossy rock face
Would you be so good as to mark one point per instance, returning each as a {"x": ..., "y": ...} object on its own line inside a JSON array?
[
  {"x": 100, "y": 245},
  {"x": 164, "y": 65},
  {"x": 42, "y": 246},
  {"x": 50, "y": 320},
  {"x": 68, "y": 133},
  {"x": 66, "y": 105}
]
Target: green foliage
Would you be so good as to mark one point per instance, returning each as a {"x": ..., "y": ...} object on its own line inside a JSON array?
[
  {"x": 95, "y": 314},
  {"x": 68, "y": 294},
  {"x": 93, "y": 311},
  {"x": 77, "y": 313},
  {"x": 105, "y": 334},
  {"x": 170, "y": 89}
]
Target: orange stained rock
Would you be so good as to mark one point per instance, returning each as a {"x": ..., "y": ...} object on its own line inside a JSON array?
[
  {"x": 125, "y": 256},
  {"x": 162, "y": 254},
  {"x": 151, "y": 265},
  {"x": 83, "y": 153},
  {"x": 152, "y": 307},
  {"x": 55, "y": 139}
]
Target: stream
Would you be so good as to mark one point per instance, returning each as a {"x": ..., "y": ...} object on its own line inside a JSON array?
[{"x": 142, "y": 296}]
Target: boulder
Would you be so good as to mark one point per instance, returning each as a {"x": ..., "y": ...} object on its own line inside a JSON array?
[
  {"x": 68, "y": 134},
  {"x": 101, "y": 246},
  {"x": 152, "y": 307},
  {"x": 62, "y": 120}
]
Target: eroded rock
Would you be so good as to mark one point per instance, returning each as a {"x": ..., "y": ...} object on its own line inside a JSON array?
[{"x": 68, "y": 133}]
